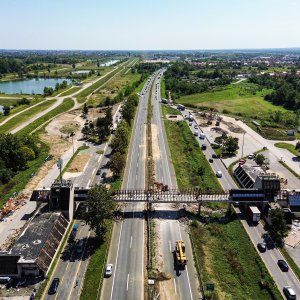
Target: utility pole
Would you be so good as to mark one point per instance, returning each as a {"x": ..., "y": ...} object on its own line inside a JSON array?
[
  {"x": 59, "y": 165},
  {"x": 243, "y": 145}
]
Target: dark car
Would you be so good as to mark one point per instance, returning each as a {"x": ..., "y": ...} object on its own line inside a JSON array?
[
  {"x": 53, "y": 287},
  {"x": 289, "y": 293},
  {"x": 103, "y": 175},
  {"x": 98, "y": 172},
  {"x": 261, "y": 247},
  {"x": 211, "y": 160},
  {"x": 283, "y": 265},
  {"x": 214, "y": 156}
]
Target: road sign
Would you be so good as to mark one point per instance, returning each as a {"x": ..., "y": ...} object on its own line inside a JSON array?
[{"x": 210, "y": 287}]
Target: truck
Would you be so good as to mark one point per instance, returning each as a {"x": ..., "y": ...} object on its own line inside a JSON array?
[
  {"x": 253, "y": 214},
  {"x": 180, "y": 256}
]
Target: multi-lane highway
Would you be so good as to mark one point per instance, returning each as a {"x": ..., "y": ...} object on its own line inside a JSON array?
[
  {"x": 127, "y": 246},
  {"x": 185, "y": 283},
  {"x": 256, "y": 233}
]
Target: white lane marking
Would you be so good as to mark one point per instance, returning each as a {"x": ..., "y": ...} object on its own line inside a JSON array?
[
  {"x": 175, "y": 286},
  {"x": 112, "y": 289},
  {"x": 170, "y": 246},
  {"x": 127, "y": 282},
  {"x": 130, "y": 242},
  {"x": 187, "y": 272}
]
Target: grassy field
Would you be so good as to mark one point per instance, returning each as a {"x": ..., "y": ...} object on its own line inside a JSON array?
[
  {"x": 235, "y": 99},
  {"x": 81, "y": 97},
  {"x": 21, "y": 118},
  {"x": 227, "y": 258},
  {"x": 65, "y": 106},
  {"x": 17, "y": 108},
  {"x": 289, "y": 147},
  {"x": 191, "y": 167},
  {"x": 113, "y": 87},
  {"x": 71, "y": 91}
]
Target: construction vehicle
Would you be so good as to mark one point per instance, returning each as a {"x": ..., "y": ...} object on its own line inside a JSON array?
[
  {"x": 180, "y": 256},
  {"x": 159, "y": 186}
]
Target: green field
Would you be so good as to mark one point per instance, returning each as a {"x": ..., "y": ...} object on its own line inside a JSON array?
[
  {"x": 71, "y": 91},
  {"x": 288, "y": 147},
  {"x": 227, "y": 258},
  {"x": 191, "y": 167},
  {"x": 21, "y": 118},
  {"x": 234, "y": 99},
  {"x": 65, "y": 106},
  {"x": 163, "y": 88}
]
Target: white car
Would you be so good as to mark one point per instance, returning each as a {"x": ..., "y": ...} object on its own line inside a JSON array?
[
  {"x": 251, "y": 156},
  {"x": 108, "y": 270},
  {"x": 196, "y": 133},
  {"x": 219, "y": 174}
]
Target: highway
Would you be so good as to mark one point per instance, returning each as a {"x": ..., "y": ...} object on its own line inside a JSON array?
[
  {"x": 256, "y": 233},
  {"x": 71, "y": 267},
  {"x": 127, "y": 245},
  {"x": 185, "y": 283}
]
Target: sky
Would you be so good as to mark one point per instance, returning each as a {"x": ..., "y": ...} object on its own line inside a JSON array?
[{"x": 149, "y": 25}]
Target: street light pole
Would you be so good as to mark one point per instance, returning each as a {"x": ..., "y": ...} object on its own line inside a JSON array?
[{"x": 243, "y": 145}]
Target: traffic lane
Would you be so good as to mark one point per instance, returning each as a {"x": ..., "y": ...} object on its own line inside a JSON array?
[
  {"x": 68, "y": 264},
  {"x": 258, "y": 235},
  {"x": 226, "y": 180}
]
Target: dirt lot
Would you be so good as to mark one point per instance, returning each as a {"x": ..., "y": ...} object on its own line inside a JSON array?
[{"x": 59, "y": 143}]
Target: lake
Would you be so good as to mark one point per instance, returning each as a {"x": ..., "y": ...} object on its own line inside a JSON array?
[
  {"x": 109, "y": 63},
  {"x": 30, "y": 86}
]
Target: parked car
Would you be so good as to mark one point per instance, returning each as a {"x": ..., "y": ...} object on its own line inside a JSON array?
[
  {"x": 54, "y": 286},
  {"x": 262, "y": 247},
  {"x": 98, "y": 172},
  {"x": 282, "y": 264},
  {"x": 289, "y": 293},
  {"x": 103, "y": 175},
  {"x": 211, "y": 160},
  {"x": 214, "y": 156},
  {"x": 190, "y": 124},
  {"x": 108, "y": 270},
  {"x": 196, "y": 127},
  {"x": 203, "y": 147}
]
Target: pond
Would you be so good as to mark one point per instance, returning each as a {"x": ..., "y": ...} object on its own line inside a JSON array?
[
  {"x": 30, "y": 86},
  {"x": 109, "y": 63}
]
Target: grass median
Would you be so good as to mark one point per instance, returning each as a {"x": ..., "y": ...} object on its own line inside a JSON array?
[
  {"x": 191, "y": 167},
  {"x": 226, "y": 257},
  {"x": 288, "y": 147}
]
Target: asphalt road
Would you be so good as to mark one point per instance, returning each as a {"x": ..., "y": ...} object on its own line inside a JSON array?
[
  {"x": 127, "y": 245},
  {"x": 71, "y": 267},
  {"x": 186, "y": 284},
  {"x": 257, "y": 233}
]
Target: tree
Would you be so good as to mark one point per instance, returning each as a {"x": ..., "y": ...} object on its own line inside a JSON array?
[
  {"x": 28, "y": 153},
  {"x": 231, "y": 144},
  {"x": 279, "y": 228},
  {"x": 6, "y": 110},
  {"x": 104, "y": 124},
  {"x": 85, "y": 109},
  {"x": 99, "y": 208},
  {"x": 260, "y": 159},
  {"x": 117, "y": 163},
  {"x": 121, "y": 138},
  {"x": 297, "y": 147}
]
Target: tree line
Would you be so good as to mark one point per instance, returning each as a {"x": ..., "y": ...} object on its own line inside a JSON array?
[
  {"x": 286, "y": 91},
  {"x": 15, "y": 153},
  {"x": 48, "y": 91}
]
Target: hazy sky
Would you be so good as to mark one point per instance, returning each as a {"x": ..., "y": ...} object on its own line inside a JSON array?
[{"x": 151, "y": 24}]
